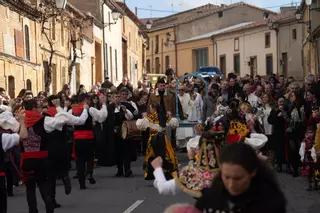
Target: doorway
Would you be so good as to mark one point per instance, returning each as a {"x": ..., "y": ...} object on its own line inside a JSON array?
[
  {"x": 222, "y": 64},
  {"x": 29, "y": 84},
  {"x": 11, "y": 86},
  {"x": 253, "y": 66},
  {"x": 284, "y": 64}
]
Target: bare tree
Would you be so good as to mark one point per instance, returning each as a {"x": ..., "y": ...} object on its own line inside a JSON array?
[{"x": 75, "y": 24}]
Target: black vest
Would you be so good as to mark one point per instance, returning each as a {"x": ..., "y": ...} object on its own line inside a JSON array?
[
  {"x": 37, "y": 130},
  {"x": 56, "y": 139},
  {"x": 86, "y": 126}
]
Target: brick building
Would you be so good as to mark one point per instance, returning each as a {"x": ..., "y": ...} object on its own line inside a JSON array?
[{"x": 20, "y": 62}]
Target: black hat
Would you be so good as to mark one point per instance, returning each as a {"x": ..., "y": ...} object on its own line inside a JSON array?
[{"x": 161, "y": 80}]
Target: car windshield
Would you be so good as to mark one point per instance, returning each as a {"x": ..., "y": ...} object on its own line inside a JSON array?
[{"x": 214, "y": 70}]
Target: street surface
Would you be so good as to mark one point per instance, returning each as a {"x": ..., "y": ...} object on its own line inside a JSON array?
[{"x": 120, "y": 195}]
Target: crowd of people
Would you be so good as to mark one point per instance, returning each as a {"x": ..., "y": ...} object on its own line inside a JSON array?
[{"x": 239, "y": 119}]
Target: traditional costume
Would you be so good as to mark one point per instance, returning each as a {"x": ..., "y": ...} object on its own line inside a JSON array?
[
  {"x": 58, "y": 155},
  {"x": 193, "y": 178},
  {"x": 158, "y": 143},
  {"x": 122, "y": 147},
  {"x": 83, "y": 142},
  {"x": 8, "y": 139}
]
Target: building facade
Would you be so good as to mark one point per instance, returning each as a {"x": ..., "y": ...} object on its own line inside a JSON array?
[
  {"x": 311, "y": 37},
  {"x": 133, "y": 45},
  {"x": 189, "y": 24},
  {"x": 20, "y": 58}
]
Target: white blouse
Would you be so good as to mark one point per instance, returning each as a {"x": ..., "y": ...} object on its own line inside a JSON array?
[
  {"x": 165, "y": 187},
  {"x": 144, "y": 123}
]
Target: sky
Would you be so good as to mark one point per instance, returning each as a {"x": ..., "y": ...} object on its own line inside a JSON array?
[{"x": 144, "y": 6}]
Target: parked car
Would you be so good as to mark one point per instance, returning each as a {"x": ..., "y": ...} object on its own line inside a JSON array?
[{"x": 209, "y": 71}]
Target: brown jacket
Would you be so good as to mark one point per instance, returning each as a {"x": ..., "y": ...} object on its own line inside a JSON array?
[{"x": 169, "y": 101}]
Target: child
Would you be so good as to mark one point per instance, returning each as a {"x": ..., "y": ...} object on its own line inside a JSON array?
[{"x": 308, "y": 156}]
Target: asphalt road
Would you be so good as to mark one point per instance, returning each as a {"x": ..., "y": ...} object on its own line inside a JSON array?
[{"x": 125, "y": 195}]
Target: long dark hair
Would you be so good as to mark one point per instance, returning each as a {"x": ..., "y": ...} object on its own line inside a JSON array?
[
  {"x": 299, "y": 102},
  {"x": 92, "y": 104},
  {"x": 246, "y": 157}
]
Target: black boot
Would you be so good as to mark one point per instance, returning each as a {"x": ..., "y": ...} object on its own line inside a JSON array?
[
  {"x": 288, "y": 169},
  {"x": 67, "y": 185},
  {"x": 119, "y": 173},
  {"x": 128, "y": 173},
  {"x": 82, "y": 182},
  {"x": 91, "y": 179},
  {"x": 56, "y": 205}
]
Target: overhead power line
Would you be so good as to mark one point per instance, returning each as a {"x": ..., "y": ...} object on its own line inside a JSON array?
[{"x": 171, "y": 11}]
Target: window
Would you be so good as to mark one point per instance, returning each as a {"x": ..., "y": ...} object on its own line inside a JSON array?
[
  {"x": 148, "y": 43},
  {"x": 157, "y": 44},
  {"x": 157, "y": 65},
  {"x": 167, "y": 61},
  {"x": 236, "y": 44},
  {"x": 269, "y": 64},
  {"x": 267, "y": 40},
  {"x": 106, "y": 65},
  {"x": 123, "y": 26},
  {"x": 29, "y": 85},
  {"x": 236, "y": 63},
  {"x": 148, "y": 66},
  {"x": 111, "y": 68},
  {"x": 62, "y": 34},
  {"x": 53, "y": 29},
  {"x": 129, "y": 39},
  {"x": 294, "y": 34},
  {"x": 220, "y": 14},
  {"x": 201, "y": 58},
  {"x": 27, "y": 42},
  {"x": 116, "y": 62}
]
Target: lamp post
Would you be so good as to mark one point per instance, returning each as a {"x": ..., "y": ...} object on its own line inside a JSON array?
[
  {"x": 115, "y": 16},
  {"x": 148, "y": 25},
  {"x": 61, "y": 4}
]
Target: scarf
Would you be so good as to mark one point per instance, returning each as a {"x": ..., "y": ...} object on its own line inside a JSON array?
[
  {"x": 77, "y": 109},
  {"x": 32, "y": 118},
  {"x": 52, "y": 111}
]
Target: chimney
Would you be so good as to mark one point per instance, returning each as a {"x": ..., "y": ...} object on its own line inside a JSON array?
[{"x": 136, "y": 11}]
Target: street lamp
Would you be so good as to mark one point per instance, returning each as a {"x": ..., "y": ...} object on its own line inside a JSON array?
[
  {"x": 298, "y": 15},
  {"x": 115, "y": 15},
  {"x": 168, "y": 36},
  {"x": 148, "y": 25},
  {"x": 61, "y": 4},
  {"x": 308, "y": 2}
]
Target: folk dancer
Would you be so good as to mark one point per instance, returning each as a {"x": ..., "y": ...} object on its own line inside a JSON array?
[
  {"x": 58, "y": 146},
  {"x": 158, "y": 144},
  {"x": 34, "y": 153},
  {"x": 7, "y": 141},
  {"x": 122, "y": 147},
  {"x": 83, "y": 139}
]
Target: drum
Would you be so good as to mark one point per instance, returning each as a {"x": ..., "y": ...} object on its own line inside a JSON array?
[{"x": 129, "y": 129}]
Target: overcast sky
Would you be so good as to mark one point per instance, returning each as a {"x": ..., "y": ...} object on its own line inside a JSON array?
[{"x": 180, "y": 5}]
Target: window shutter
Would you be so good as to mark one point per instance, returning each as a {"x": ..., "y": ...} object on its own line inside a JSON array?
[
  {"x": 18, "y": 37},
  {"x": 27, "y": 42}
]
